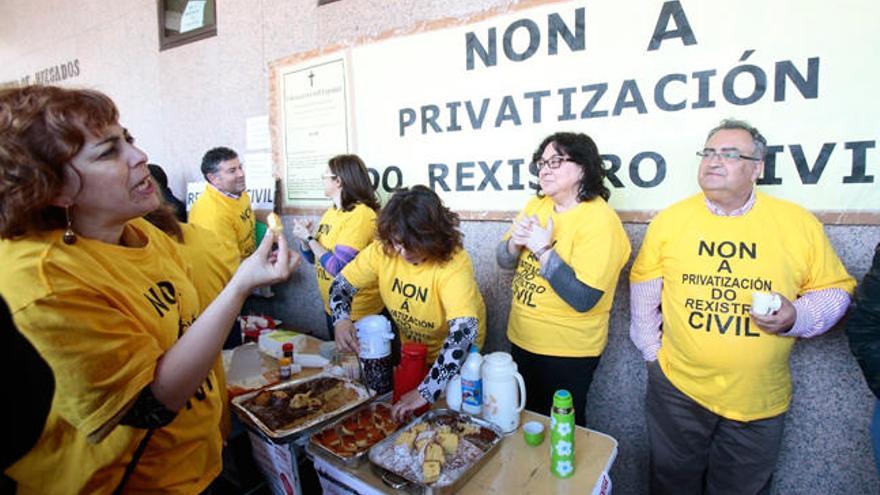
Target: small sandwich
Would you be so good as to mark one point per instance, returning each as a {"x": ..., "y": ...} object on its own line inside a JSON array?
[
  {"x": 274, "y": 223},
  {"x": 430, "y": 471},
  {"x": 406, "y": 439},
  {"x": 449, "y": 442},
  {"x": 434, "y": 452}
]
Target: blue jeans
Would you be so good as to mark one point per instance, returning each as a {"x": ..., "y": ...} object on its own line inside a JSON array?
[{"x": 875, "y": 435}]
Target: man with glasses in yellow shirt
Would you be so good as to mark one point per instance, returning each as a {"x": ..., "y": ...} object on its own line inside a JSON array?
[{"x": 719, "y": 384}]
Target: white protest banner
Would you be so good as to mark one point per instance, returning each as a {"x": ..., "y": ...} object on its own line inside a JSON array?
[
  {"x": 261, "y": 192},
  {"x": 461, "y": 104}
]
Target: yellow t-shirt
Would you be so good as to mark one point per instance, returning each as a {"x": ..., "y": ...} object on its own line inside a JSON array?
[
  {"x": 590, "y": 239},
  {"x": 211, "y": 266},
  {"x": 710, "y": 265},
  {"x": 355, "y": 229},
  {"x": 101, "y": 315},
  {"x": 212, "y": 261},
  {"x": 227, "y": 217},
  {"x": 421, "y": 298}
]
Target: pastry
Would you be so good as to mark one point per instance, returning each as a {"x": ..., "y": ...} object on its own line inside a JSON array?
[
  {"x": 430, "y": 471},
  {"x": 348, "y": 444},
  {"x": 374, "y": 435},
  {"x": 360, "y": 437},
  {"x": 365, "y": 419},
  {"x": 274, "y": 223},
  {"x": 449, "y": 442},
  {"x": 328, "y": 438},
  {"x": 434, "y": 452},
  {"x": 406, "y": 439},
  {"x": 349, "y": 426}
]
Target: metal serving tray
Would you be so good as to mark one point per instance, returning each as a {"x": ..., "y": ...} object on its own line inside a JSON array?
[
  {"x": 401, "y": 481},
  {"x": 315, "y": 448},
  {"x": 310, "y": 425}
]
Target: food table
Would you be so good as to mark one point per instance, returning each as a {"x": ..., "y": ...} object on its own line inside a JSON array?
[
  {"x": 515, "y": 468},
  {"x": 278, "y": 461}
]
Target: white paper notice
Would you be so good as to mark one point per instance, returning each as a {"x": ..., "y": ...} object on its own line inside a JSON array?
[
  {"x": 193, "y": 15},
  {"x": 258, "y": 133},
  {"x": 258, "y": 165},
  {"x": 315, "y": 122}
]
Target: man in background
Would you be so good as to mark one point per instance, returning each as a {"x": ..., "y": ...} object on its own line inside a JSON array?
[{"x": 225, "y": 207}]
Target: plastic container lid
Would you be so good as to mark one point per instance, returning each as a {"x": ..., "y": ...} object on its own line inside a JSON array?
[{"x": 562, "y": 398}]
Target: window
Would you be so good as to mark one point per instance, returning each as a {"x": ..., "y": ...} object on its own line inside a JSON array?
[{"x": 185, "y": 21}]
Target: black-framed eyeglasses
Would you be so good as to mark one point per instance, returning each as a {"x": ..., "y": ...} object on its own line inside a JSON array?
[
  {"x": 725, "y": 155},
  {"x": 553, "y": 162}
]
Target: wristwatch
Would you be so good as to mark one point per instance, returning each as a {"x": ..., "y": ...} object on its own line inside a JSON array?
[{"x": 543, "y": 250}]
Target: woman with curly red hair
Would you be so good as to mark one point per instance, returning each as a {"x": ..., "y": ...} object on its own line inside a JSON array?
[
  {"x": 107, "y": 301},
  {"x": 426, "y": 281}
]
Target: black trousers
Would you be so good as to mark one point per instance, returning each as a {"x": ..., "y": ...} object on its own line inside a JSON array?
[
  {"x": 544, "y": 375},
  {"x": 694, "y": 451}
]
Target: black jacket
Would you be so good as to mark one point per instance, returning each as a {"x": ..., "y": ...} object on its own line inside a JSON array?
[{"x": 863, "y": 328}]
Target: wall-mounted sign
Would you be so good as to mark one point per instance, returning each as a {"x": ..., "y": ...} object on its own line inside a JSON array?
[
  {"x": 461, "y": 104},
  {"x": 315, "y": 116}
]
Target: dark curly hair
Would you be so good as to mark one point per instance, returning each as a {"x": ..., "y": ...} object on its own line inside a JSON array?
[
  {"x": 416, "y": 219},
  {"x": 41, "y": 129},
  {"x": 356, "y": 188},
  {"x": 214, "y": 157},
  {"x": 582, "y": 150}
]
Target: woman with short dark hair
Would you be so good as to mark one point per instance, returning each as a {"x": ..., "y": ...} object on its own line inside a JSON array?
[
  {"x": 426, "y": 281},
  {"x": 106, "y": 299},
  {"x": 344, "y": 230},
  {"x": 568, "y": 247}
]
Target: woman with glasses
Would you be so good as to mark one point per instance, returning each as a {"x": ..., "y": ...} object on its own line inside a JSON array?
[
  {"x": 106, "y": 300},
  {"x": 426, "y": 280},
  {"x": 568, "y": 247},
  {"x": 344, "y": 230}
]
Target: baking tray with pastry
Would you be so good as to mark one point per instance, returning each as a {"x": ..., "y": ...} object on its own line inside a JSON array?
[
  {"x": 347, "y": 440},
  {"x": 293, "y": 408},
  {"x": 436, "y": 453}
]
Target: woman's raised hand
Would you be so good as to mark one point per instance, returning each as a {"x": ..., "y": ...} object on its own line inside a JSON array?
[
  {"x": 302, "y": 229},
  {"x": 265, "y": 266}
]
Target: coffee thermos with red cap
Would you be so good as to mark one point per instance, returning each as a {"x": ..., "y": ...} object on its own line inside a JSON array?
[{"x": 411, "y": 370}]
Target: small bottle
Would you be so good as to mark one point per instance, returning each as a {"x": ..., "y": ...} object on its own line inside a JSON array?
[
  {"x": 471, "y": 383},
  {"x": 287, "y": 351},
  {"x": 562, "y": 435},
  {"x": 284, "y": 370},
  {"x": 251, "y": 335}
]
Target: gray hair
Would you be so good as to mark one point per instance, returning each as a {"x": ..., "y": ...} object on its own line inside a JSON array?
[{"x": 758, "y": 140}]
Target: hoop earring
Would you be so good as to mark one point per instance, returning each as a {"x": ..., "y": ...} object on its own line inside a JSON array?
[{"x": 69, "y": 235}]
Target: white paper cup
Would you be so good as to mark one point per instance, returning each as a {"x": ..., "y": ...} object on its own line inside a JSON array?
[{"x": 765, "y": 303}]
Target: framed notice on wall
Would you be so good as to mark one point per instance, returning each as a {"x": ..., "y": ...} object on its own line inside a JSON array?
[{"x": 315, "y": 106}]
